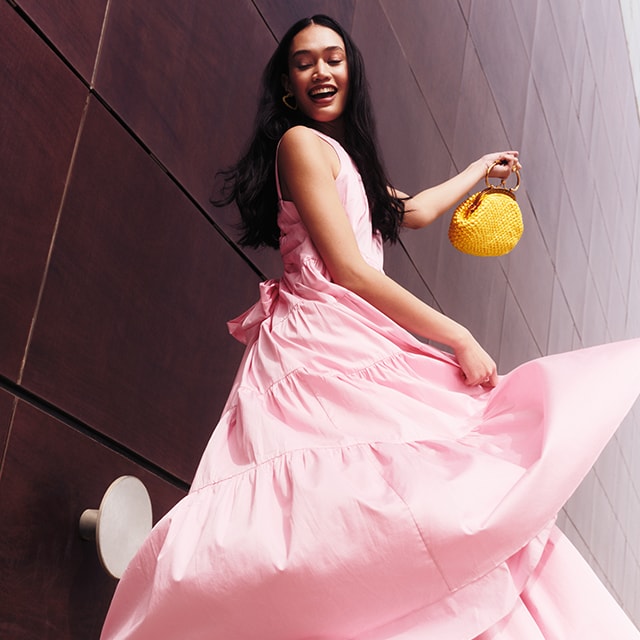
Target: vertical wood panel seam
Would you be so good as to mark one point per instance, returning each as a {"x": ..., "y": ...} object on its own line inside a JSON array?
[
  {"x": 487, "y": 82},
  {"x": 417, "y": 82},
  {"x": 422, "y": 278},
  {"x": 103, "y": 31},
  {"x": 5, "y": 448},
  {"x": 433, "y": 118},
  {"x": 53, "y": 238}
]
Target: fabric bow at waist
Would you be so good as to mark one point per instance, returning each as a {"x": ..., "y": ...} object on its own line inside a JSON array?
[{"x": 245, "y": 327}]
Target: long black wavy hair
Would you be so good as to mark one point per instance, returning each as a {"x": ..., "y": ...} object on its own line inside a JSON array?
[{"x": 251, "y": 183}]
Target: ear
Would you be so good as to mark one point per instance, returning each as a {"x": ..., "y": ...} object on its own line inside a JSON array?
[{"x": 285, "y": 82}]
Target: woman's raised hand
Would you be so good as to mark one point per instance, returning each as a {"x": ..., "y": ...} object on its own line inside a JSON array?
[{"x": 507, "y": 162}]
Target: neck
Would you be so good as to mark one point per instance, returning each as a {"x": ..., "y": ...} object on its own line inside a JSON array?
[{"x": 333, "y": 129}]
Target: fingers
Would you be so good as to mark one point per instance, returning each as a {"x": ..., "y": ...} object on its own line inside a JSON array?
[
  {"x": 488, "y": 379},
  {"x": 505, "y": 158},
  {"x": 477, "y": 367},
  {"x": 504, "y": 171},
  {"x": 511, "y": 159}
]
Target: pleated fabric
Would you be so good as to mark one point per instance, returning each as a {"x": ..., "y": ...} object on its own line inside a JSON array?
[{"x": 355, "y": 487}]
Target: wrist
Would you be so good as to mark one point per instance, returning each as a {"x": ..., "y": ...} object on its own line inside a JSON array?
[
  {"x": 460, "y": 338},
  {"x": 478, "y": 169}
]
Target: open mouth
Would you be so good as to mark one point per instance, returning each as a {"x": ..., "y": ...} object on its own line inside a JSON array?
[{"x": 322, "y": 93}]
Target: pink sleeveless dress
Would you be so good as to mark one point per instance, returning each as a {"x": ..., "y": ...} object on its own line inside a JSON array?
[{"x": 356, "y": 488}]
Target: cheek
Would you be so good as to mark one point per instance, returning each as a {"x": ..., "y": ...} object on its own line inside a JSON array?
[
  {"x": 344, "y": 79},
  {"x": 297, "y": 85},
  {"x": 345, "y": 85}
]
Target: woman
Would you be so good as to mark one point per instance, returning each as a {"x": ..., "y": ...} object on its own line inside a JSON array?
[{"x": 361, "y": 484}]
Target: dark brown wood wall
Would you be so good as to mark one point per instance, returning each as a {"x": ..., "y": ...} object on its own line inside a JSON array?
[{"x": 117, "y": 275}]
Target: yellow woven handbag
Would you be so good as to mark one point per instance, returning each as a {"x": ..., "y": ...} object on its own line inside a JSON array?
[{"x": 488, "y": 223}]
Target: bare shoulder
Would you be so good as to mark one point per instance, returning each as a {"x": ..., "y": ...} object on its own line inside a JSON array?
[
  {"x": 302, "y": 145},
  {"x": 300, "y": 136}
]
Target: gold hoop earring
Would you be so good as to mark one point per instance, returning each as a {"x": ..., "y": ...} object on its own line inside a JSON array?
[{"x": 288, "y": 96}]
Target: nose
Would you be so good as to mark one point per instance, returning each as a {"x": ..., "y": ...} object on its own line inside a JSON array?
[{"x": 321, "y": 71}]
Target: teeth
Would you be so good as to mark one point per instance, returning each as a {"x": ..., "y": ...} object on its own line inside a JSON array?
[{"x": 322, "y": 91}]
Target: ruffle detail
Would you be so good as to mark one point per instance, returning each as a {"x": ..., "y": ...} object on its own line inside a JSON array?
[
  {"x": 356, "y": 488},
  {"x": 245, "y": 327},
  {"x": 278, "y": 536},
  {"x": 324, "y": 544}
]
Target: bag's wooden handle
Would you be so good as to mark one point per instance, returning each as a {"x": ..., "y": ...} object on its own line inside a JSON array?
[{"x": 502, "y": 182}]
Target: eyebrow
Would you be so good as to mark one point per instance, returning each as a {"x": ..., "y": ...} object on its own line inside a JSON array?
[{"x": 302, "y": 52}]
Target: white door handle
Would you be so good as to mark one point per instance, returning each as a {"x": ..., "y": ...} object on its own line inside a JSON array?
[{"x": 120, "y": 525}]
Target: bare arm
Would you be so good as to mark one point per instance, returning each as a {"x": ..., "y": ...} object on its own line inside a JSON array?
[
  {"x": 307, "y": 167},
  {"x": 428, "y": 205}
]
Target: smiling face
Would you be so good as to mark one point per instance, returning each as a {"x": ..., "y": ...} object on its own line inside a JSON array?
[{"x": 318, "y": 74}]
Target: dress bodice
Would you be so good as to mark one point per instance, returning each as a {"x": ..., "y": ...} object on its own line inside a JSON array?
[{"x": 297, "y": 247}]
